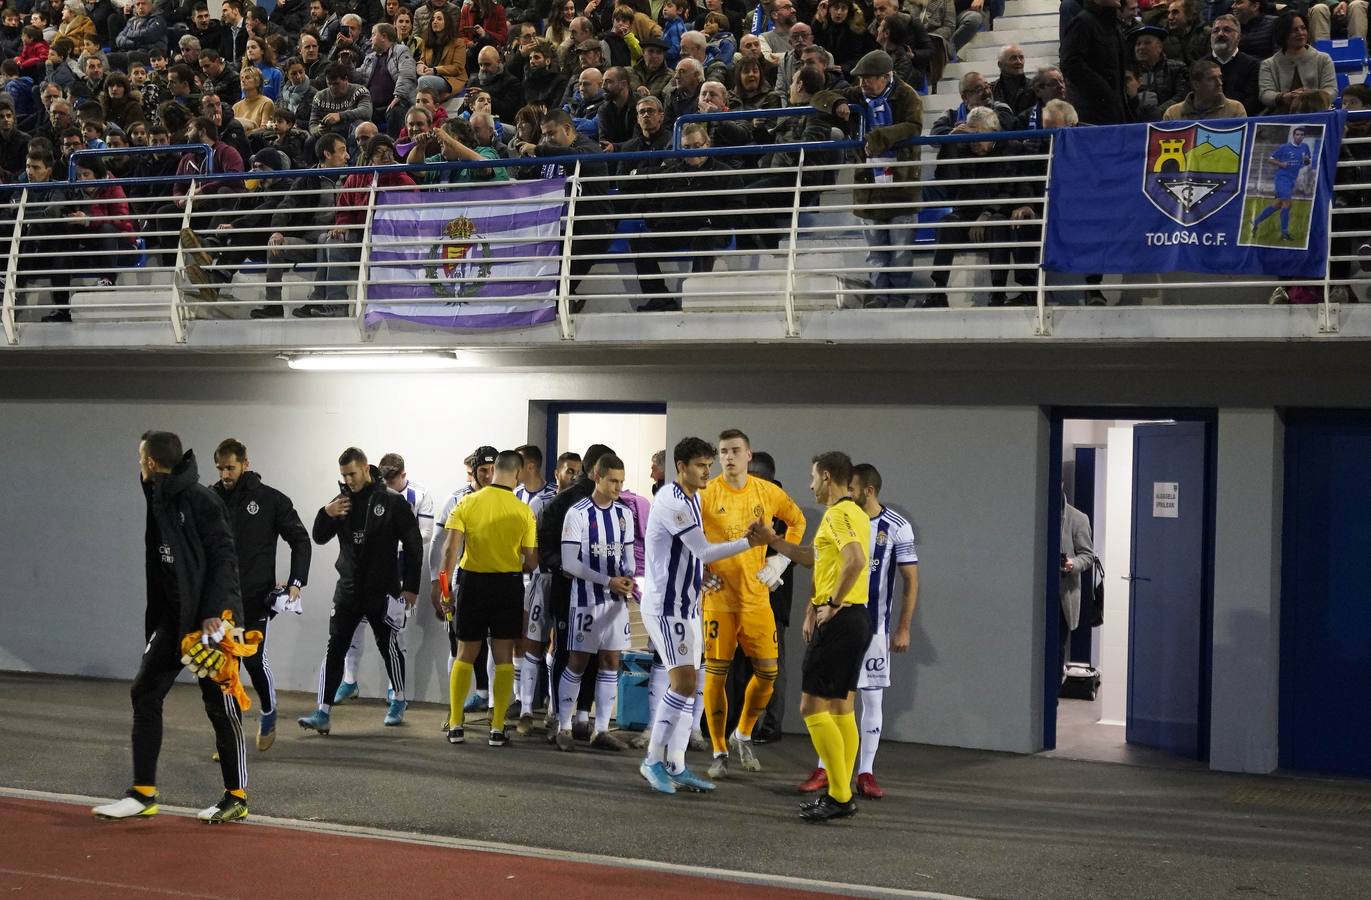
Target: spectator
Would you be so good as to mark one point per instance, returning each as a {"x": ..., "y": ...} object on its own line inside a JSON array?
[
  {"x": 751, "y": 47},
  {"x": 219, "y": 77},
  {"x": 362, "y": 133},
  {"x": 350, "y": 38},
  {"x": 93, "y": 85},
  {"x": 42, "y": 19},
  {"x": 1187, "y": 37},
  {"x": 1345, "y": 16},
  {"x": 296, "y": 93},
  {"x": 1258, "y": 28},
  {"x": 489, "y": 134},
  {"x": 455, "y": 142},
  {"x": 282, "y": 134},
  {"x": 14, "y": 144},
  {"x": 783, "y": 18},
  {"x": 46, "y": 231},
  {"x": 323, "y": 25},
  {"x": 578, "y": 53},
  {"x": 1165, "y": 78},
  {"x": 506, "y": 93},
  {"x": 1092, "y": 55},
  {"x": 985, "y": 201},
  {"x": 682, "y": 96},
  {"x": 1206, "y": 99},
  {"x": 720, "y": 45},
  {"x": 939, "y": 19},
  {"x": 259, "y": 55},
  {"x": 340, "y": 246},
  {"x": 255, "y": 110},
  {"x": 1048, "y": 85},
  {"x": 893, "y": 35},
  {"x": 58, "y": 118},
  {"x": 11, "y": 33},
  {"x": 423, "y": 12},
  {"x": 389, "y": 74},
  {"x": 821, "y": 61},
  {"x": 484, "y": 23},
  {"x": 590, "y": 55},
  {"x": 120, "y": 107},
  {"x": 33, "y": 52},
  {"x": 975, "y": 92},
  {"x": 525, "y": 40},
  {"x": 840, "y": 28},
  {"x": 586, "y": 100},
  {"x": 559, "y": 23},
  {"x": 233, "y": 36},
  {"x": 1295, "y": 68},
  {"x": 753, "y": 93},
  {"x": 652, "y": 133},
  {"x": 338, "y": 107},
  {"x": 75, "y": 24},
  {"x": 59, "y": 66},
  {"x": 616, "y": 118},
  {"x": 441, "y": 63},
  {"x": 801, "y": 36},
  {"x": 673, "y": 26},
  {"x": 1241, "y": 72},
  {"x": 1012, "y": 87},
  {"x": 204, "y": 29},
  {"x": 290, "y": 16},
  {"x": 543, "y": 83},
  {"x": 762, "y": 191},
  {"x": 624, "y": 48},
  {"x": 892, "y": 114},
  {"x": 188, "y": 51},
  {"x": 970, "y": 17},
  {"x": 404, "y": 28},
  {"x": 650, "y": 75},
  {"x": 703, "y": 217}
]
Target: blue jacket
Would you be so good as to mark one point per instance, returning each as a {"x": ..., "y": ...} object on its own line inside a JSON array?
[{"x": 671, "y": 35}]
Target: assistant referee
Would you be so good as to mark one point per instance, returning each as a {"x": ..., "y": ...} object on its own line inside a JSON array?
[
  {"x": 837, "y": 628},
  {"x": 493, "y": 533}
]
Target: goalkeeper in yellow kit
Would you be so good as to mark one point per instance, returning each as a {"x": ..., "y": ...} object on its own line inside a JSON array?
[{"x": 737, "y": 602}]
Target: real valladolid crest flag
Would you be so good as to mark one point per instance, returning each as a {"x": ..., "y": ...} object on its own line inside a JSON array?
[
  {"x": 1234, "y": 197},
  {"x": 484, "y": 257}
]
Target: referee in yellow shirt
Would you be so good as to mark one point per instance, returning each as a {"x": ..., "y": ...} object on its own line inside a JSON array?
[
  {"x": 493, "y": 533},
  {"x": 837, "y": 628}
]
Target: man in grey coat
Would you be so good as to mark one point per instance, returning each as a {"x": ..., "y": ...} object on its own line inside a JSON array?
[{"x": 1077, "y": 556}]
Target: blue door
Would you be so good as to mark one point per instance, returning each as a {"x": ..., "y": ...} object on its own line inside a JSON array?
[
  {"x": 1325, "y": 614},
  {"x": 1167, "y": 588}
]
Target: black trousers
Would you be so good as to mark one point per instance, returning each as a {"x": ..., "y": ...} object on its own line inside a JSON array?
[
  {"x": 342, "y": 626},
  {"x": 259, "y": 670},
  {"x": 161, "y": 664},
  {"x": 994, "y": 234}
]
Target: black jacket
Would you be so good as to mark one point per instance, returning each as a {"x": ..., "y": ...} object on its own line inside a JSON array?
[
  {"x": 1241, "y": 77},
  {"x": 367, "y": 567},
  {"x": 259, "y": 515},
  {"x": 1093, "y": 62},
  {"x": 550, "y": 542},
  {"x": 187, "y": 522}
]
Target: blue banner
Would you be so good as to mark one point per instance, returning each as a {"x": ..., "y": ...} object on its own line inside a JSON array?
[{"x": 1231, "y": 197}]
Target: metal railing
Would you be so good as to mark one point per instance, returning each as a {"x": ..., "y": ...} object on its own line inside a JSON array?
[{"x": 784, "y": 230}]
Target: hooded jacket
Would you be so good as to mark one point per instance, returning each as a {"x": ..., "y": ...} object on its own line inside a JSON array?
[
  {"x": 188, "y": 529},
  {"x": 259, "y": 515},
  {"x": 367, "y": 567}
]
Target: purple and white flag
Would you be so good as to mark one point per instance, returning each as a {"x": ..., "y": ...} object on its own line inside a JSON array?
[{"x": 482, "y": 257}]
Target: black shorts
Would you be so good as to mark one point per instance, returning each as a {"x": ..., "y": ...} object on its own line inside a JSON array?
[
  {"x": 490, "y": 605},
  {"x": 833, "y": 660}
]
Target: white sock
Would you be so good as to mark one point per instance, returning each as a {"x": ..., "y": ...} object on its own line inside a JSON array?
[
  {"x": 354, "y": 654},
  {"x": 528, "y": 683},
  {"x": 680, "y": 739},
  {"x": 582, "y": 716},
  {"x": 606, "y": 689},
  {"x": 551, "y": 682},
  {"x": 490, "y": 678},
  {"x": 567, "y": 692},
  {"x": 699, "y": 698},
  {"x": 672, "y": 709},
  {"x": 656, "y": 688},
  {"x": 871, "y": 729}
]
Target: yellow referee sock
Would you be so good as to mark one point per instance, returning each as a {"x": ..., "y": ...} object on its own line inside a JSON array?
[
  {"x": 459, "y": 686},
  {"x": 502, "y": 689},
  {"x": 828, "y": 740},
  {"x": 852, "y": 740}
]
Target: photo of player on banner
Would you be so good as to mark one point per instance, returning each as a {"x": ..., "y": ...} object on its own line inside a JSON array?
[{"x": 1281, "y": 180}]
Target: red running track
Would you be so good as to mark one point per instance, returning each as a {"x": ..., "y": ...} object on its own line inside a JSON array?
[{"x": 50, "y": 849}]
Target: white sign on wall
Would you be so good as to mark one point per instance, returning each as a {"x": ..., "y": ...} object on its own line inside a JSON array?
[{"x": 1166, "y": 500}]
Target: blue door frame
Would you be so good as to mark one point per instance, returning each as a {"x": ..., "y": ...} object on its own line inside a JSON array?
[
  {"x": 1058, "y": 415},
  {"x": 556, "y": 407}
]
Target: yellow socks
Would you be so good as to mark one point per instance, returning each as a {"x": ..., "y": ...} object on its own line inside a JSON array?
[
  {"x": 147, "y": 790},
  {"x": 852, "y": 740},
  {"x": 759, "y": 690},
  {"x": 716, "y": 703},
  {"x": 459, "y": 686},
  {"x": 502, "y": 689},
  {"x": 828, "y": 740}
]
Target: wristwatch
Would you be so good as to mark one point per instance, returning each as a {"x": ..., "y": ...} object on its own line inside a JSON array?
[{"x": 834, "y": 602}]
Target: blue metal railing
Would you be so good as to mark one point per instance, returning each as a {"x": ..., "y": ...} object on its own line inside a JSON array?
[{"x": 747, "y": 115}]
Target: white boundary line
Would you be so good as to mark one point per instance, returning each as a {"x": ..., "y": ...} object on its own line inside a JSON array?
[{"x": 432, "y": 840}]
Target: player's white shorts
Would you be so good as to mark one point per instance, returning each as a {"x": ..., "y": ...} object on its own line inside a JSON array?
[
  {"x": 536, "y": 613},
  {"x": 876, "y": 666},
  {"x": 600, "y": 626},
  {"x": 679, "y": 642}
]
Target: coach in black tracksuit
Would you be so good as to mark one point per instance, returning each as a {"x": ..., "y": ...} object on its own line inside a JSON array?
[
  {"x": 259, "y": 515},
  {"x": 192, "y": 575},
  {"x": 372, "y": 524},
  {"x": 559, "y": 589}
]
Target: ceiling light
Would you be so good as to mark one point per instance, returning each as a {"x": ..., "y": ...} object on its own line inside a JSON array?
[{"x": 411, "y": 361}]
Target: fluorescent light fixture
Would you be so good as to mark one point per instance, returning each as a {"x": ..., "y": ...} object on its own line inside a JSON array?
[{"x": 388, "y": 361}]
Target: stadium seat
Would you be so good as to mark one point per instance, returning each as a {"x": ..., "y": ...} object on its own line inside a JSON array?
[
  {"x": 1349, "y": 54},
  {"x": 929, "y": 216}
]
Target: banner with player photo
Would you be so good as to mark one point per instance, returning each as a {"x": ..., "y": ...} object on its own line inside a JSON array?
[
  {"x": 1231, "y": 197},
  {"x": 483, "y": 257}
]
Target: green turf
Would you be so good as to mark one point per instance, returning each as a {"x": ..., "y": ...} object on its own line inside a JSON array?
[{"x": 1269, "y": 232}]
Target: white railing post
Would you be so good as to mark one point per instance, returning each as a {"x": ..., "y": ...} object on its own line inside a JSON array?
[
  {"x": 1042, "y": 322},
  {"x": 1328, "y": 316},
  {"x": 12, "y": 272},
  {"x": 792, "y": 328},
  {"x": 364, "y": 257},
  {"x": 564, "y": 278},
  {"x": 178, "y": 300}
]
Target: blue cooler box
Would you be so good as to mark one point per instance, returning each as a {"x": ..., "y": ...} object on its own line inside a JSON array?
[{"x": 634, "y": 672}]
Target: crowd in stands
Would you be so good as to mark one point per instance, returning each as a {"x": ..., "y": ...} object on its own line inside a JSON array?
[{"x": 328, "y": 83}]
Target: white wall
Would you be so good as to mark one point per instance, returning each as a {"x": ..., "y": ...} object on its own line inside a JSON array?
[{"x": 634, "y": 437}]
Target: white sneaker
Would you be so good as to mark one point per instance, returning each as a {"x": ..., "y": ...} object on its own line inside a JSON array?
[{"x": 130, "y": 806}]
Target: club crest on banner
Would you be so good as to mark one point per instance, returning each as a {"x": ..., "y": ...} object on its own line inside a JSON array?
[
  {"x": 465, "y": 255},
  {"x": 1191, "y": 173}
]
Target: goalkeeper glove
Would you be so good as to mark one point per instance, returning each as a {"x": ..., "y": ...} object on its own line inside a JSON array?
[
  {"x": 203, "y": 660},
  {"x": 770, "y": 574}
]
